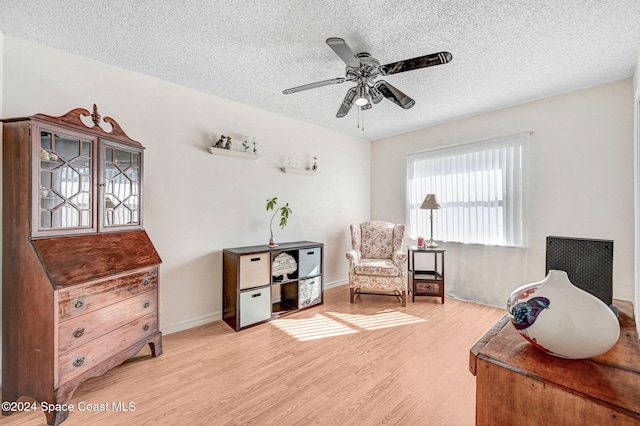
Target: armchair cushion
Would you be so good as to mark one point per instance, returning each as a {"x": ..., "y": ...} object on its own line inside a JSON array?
[{"x": 381, "y": 267}]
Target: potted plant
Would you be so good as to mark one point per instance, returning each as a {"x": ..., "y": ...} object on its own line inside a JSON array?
[{"x": 285, "y": 211}]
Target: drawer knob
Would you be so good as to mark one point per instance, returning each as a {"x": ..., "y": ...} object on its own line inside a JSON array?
[
  {"x": 146, "y": 304},
  {"x": 145, "y": 327},
  {"x": 79, "y": 332},
  {"x": 78, "y": 362},
  {"x": 78, "y": 303},
  {"x": 146, "y": 282}
]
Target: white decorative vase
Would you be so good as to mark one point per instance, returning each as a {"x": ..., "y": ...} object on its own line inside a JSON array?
[{"x": 561, "y": 319}]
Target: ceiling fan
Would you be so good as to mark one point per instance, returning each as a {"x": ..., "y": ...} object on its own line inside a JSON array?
[{"x": 363, "y": 70}]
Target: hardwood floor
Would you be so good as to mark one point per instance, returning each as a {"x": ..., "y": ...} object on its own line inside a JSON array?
[{"x": 368, "y": 363}]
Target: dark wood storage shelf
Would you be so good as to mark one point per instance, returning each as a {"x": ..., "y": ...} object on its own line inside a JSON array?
[
  {"x": 427, "y": 275},
  {"x": 280, "y": 308},
  {"x": 248, "y": 284},
  {"x": 291, "y": 280}
]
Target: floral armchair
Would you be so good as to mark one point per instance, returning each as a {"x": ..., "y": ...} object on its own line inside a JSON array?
[{"x": 377, "y": 261}]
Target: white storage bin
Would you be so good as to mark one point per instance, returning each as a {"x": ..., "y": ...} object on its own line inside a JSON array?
[
  {"x": 309, "y": 262},
  {"x": 255, "y": 306}
]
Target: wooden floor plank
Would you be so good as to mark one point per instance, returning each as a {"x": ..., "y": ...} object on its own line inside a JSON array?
[{"x": 368, "y": 363}]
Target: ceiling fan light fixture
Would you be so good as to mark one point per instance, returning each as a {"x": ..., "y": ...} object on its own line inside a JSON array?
[{"x": 362, "y": 95}]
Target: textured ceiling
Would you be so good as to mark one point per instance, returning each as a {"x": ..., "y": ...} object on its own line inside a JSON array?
[{"x": 504, "y": 52}]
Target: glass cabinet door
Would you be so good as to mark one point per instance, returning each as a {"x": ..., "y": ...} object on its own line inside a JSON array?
[
  {"x": 65, "y": 196},
  {"x": 121, "y": 186}
]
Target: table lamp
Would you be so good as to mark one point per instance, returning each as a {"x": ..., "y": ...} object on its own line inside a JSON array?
[{"x": 431, "y": 203}]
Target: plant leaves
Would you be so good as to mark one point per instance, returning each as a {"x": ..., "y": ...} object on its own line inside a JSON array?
[
  {"x": 271, "y": 204},
  {"x": 284, "y": 215}
]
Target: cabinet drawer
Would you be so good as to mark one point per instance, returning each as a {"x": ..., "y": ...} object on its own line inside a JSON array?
[
  {"x": 254, "y": 270},
  {"x": 309, "y": 262},
  {"x": 78, "y": 360},
  {"x": 427, "y": 288},
  {"x": 255, "y": 306},
  {"x": 84, "y": 328},
  {"x": 81, "y": 299},
  {"x": 309, "y": 292}
]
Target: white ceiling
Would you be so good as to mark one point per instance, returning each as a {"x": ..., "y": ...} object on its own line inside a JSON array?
[{"x": 504, "y": 52}]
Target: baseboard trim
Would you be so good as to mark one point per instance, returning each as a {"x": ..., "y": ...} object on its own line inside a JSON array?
[
  {"x": 335, "y": 284},
  {"x": 192, "y": 322},
  {"x": 215, "y": 316}
]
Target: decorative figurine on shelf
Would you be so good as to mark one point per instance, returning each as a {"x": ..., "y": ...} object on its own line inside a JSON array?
[
  {"x": 315, "y": 164},
  {"x": 220, "y": 142},
  {"x": 255, "y": 149},
  {"x": 228, "y": 144},
  {"x": 245, "y": 144}
]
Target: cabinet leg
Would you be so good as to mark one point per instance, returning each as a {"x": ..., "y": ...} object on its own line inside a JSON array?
[
  {"x": 404, "y": 298},
  {"x": 156, "y": 345}
]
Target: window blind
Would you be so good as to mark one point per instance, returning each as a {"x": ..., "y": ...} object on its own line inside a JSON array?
[{"x": 479, "y": 187}]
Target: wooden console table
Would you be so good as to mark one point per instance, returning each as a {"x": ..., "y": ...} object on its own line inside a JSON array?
[{"x": 516, "y": 384}]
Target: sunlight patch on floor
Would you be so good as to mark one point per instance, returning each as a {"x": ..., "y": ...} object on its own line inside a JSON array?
[
  {"x": 337, "y": 324},
  {"x": 383, "y": 319},
  {"x": 317, "y": 327}
]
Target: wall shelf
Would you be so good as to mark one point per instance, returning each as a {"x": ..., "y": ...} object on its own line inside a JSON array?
[
  {"x": 233, "y": 153},
  {"x": 298, "y": 171}
]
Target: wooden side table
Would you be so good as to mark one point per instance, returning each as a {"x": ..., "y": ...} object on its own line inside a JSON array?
[
  {"x": 426, "y": 282},
  {"x": 519, "y": 384}
]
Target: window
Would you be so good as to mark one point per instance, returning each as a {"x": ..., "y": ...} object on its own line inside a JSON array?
[{"x": 479, "y": 187}]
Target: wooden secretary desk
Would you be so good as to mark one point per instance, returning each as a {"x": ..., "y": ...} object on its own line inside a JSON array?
[{"x": 80, "y": 276}]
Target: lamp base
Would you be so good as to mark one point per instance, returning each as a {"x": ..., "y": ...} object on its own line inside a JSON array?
[{"x": 430, "y": 244}]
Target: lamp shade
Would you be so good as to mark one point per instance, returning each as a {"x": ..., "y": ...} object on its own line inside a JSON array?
[{"x": 430, "y": 202}]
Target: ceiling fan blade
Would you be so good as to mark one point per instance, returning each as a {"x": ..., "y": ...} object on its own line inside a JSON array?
[
  {"x": 439, "y": 58},
  {"x": 347, "y": 103},
  {"x": 314, "y": 85},
  {"x": 342, "y": 49},
  {"x": 394, "y": 95}
]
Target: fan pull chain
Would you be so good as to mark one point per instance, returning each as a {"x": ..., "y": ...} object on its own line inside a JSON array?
[{"x": 361, "y": 120}]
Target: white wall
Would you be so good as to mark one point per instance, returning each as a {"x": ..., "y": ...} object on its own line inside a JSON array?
[
  {"x": 196, "y": 204},
  {"x": 580, "y": 185}
]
